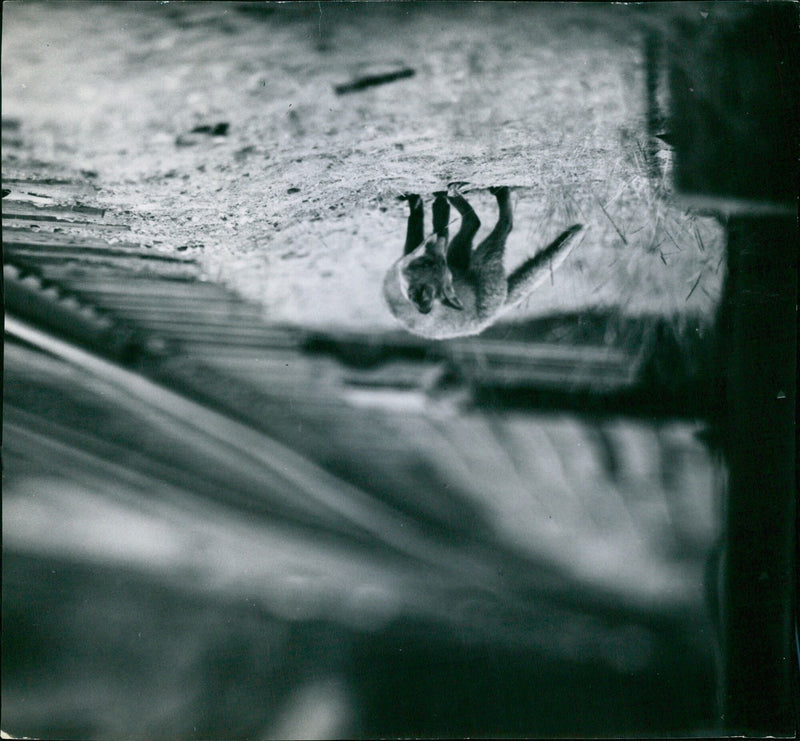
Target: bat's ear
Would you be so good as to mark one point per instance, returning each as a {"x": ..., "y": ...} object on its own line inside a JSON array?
[{"x": 449, "y": 297}]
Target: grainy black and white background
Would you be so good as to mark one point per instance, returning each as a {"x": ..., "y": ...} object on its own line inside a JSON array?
[{"x": 239, "y": 501}]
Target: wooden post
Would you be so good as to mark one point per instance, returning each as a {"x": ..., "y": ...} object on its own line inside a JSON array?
[
  {"x": 735, "y": 98},
  {"x": 759, "y": 438}
]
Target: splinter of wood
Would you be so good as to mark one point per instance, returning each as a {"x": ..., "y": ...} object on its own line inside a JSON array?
[{"x": 371, "y": 80}]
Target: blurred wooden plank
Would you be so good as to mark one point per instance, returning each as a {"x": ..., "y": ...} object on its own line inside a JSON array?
[
  {"x": 78, "y": 244},
  {"x": 65, "y": 272},
  {"x": 54, "y": 188},
  {"x": 197, "y": 348},
  {"x": 88, "y": 214},
  {"x": 167, "y": 300},
  {"x": 217, "y": 328},
  {"x": 481, "y": 348},
  {"x": 35, "y": 222}
]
